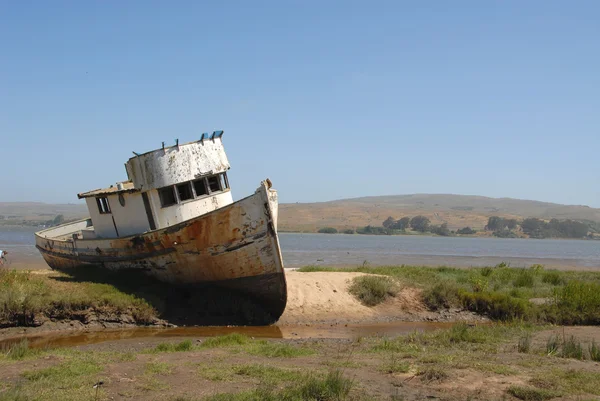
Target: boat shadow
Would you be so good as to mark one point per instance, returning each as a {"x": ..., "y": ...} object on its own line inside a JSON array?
[{"x": 179, "y": 305}]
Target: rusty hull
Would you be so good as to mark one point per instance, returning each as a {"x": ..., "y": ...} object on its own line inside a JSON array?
[{"x": 235, "y": 247}]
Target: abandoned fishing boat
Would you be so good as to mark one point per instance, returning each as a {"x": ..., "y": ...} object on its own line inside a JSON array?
[{"x": 175, "y": 219}]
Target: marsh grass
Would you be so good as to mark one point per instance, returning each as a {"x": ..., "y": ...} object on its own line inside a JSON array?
[
  {"x": 373, "y": 290},
  {"x": 19, "y": 351},
  {"x": 24, "y": 295}
]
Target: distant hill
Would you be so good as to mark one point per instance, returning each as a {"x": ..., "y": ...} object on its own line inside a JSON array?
[
  {"x": 456, "y": 210},
  {"x": 12, "y": 213}
]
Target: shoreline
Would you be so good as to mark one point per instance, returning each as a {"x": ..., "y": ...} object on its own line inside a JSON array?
[{"x": 32, "y": 260}]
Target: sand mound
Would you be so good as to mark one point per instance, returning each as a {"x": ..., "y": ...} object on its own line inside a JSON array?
[{"x": 324, "y": 297}]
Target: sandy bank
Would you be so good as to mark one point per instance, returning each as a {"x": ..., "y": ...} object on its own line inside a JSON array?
[{"x": 323, "y": 297}]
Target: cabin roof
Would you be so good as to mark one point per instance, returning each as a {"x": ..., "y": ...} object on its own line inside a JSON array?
[
  {"x": 113, "y": 189},
  {"x": 204, "y": 137}
]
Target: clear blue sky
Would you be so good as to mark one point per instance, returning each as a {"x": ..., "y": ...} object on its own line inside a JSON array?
[{"x": 329, "y": 99}]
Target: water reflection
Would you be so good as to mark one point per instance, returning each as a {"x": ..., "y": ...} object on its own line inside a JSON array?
[{"x": 350, "y": 331}]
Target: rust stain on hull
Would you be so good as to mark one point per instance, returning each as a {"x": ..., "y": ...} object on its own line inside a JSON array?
[{"x": 234, "y": 247}]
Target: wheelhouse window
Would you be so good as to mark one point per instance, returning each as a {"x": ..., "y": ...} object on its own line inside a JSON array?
[
  {"x": 167, "y": 196},
  {"x": 200, "y": 187},
  {"x": 224, "y": 181},
  {"x": 213, "y": 183},
  {"x": 185, "y": 191},
  {"x": 175, "y": 194},
  {"x": 103, "y": 206}
]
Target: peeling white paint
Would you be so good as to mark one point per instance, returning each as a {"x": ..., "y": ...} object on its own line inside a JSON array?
[{"x": 177, "y": 164}]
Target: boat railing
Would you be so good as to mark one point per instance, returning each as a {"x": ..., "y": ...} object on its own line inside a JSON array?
[{"x": 65, "y": 229}]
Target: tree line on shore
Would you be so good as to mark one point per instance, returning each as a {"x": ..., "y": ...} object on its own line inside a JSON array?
[
  {"x": 499, "y": 226},
  {"x": 391, "y": 226},
  {"x": 537, "y": 228}
]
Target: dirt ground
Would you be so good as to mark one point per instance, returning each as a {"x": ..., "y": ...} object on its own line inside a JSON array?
[{"x": 131, "y": 370}]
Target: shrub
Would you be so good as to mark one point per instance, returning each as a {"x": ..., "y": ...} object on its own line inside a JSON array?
[
  {"x": 524, "y": 344},
  {"x": 525, "y": 278},
  {"x": 333, "y": 387},
  {"x": 349, "y": 231},
  {"x": 432, "y": 374},
  {"x": 552, "y": 277},
  {"x": 552, "y": 345},
  {"x": 328, "y": 230},
  {"x": 496, "y": 305},
  {"x": 373, "y": 290},
  {"x": 577, "y": 302},
  {"x": 572, "y": 349},
  {"x": 466, "y": 231},
  {"x": 441, "y": 295},
  {"x": 478, "y": 284},
  {"x": 594, "y": 352}
]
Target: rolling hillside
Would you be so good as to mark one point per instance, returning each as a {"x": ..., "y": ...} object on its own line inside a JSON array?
[{"x": 456, "y": 210}]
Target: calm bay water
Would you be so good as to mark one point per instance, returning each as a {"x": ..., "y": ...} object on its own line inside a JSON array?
[
  {"x": 351, "y": 250},
  {"x": 343, "y": 250}
]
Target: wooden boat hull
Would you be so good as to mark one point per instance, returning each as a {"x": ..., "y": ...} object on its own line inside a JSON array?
[{"x": 234, "y": 247}]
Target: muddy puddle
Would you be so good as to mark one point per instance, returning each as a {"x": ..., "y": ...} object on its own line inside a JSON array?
[{"x": 340, "y": 331}]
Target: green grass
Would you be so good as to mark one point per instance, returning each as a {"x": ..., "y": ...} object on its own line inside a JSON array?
[
  {"x": 227, "y": 340},
  {"x": 158, "y": 368},
  {"x": 19, "y": 351},
  {"x": 266, "y": 373},
  {"x": 395, "y": 365},
  {"x": 594, "y": 352},
  {"x": 530, "y": 393},
  {"x": 568, "y": 381},
  {"x": 72, "y": 379},
  {"x": 182, "y": 346},
  {"x": 332, "y": 387},
  {"x": 24, "y": 295},
  {"x": 270, "y": 349},
  {"x": 432, "y": 374},
  {"x": 373, "y": 290}
]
